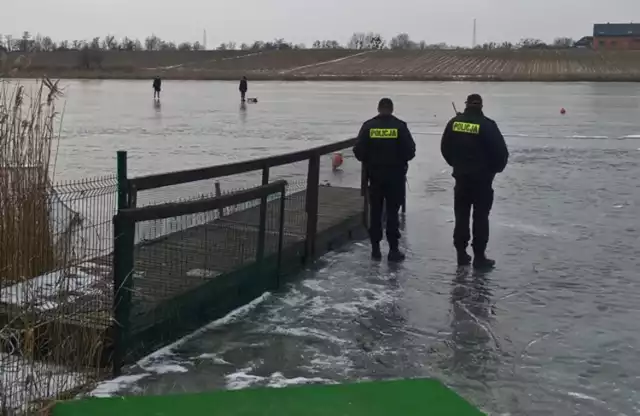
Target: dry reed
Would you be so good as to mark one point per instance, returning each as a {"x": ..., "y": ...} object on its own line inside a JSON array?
[
  {"x": 28, "y": 132},
  {"x": 42, "y": 356}
]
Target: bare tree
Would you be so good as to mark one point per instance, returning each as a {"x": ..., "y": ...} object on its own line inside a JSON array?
[
  {"x": 152, "y": 43},
  {"x": 168, "y": 46},
  {"x": 563, "y": 42},
  {"x": 90, "y": 58},
  {"x": 374, "y": 41},
  {"x": 26, "y": 42},
  {"x": 110, "y": 43},
  {"x": 47, "y": 44},
  {"x": 185, "y": 46},
  {"x": 95, "y": 43},
  {"x": 244, "y": 47},
  {"x": 531, "y": 43},
  {"x": 356, "y": 41},
  {"x": 402, "y": 41},
  {"x": 360, "y": 40},
  {"x": 326, "y": 44},
  {"x": 197, "y": 46}
]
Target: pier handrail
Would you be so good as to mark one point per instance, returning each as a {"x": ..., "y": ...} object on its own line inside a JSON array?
[
  {"x": 131, "y": 187},
  {"x": 191, "y": 175}
]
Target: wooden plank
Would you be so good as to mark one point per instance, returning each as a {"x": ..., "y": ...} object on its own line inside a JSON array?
[{"x": 174, "y": 178}]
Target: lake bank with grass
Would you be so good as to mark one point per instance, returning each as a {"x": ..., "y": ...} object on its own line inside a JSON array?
[{"x": 524, "y": 65}]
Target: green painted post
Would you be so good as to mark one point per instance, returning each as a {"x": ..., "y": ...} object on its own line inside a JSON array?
[
  {"x": 123, "y": 184},
  {"x": 262, "y": 230},
  {"x": 123, "y": 242},
  {"x": 283, "y": 197}
]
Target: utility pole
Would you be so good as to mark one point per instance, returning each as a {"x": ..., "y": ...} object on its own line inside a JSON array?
[
  {"x": 204, "y": 39},
  {"x": 473, "y": 45}
]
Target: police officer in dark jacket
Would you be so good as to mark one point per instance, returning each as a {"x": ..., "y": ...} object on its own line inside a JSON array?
[
  {"x": 385, "y": 147},
  {"x": 473, "y": 145}
]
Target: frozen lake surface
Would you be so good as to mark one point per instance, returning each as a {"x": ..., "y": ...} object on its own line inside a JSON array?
[{"x": 554, "y": 330}]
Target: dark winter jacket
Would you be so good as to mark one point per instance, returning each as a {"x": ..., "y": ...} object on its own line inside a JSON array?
[
  {"x": 385, "y": 143},
  {"x": 473, "y": 144}
]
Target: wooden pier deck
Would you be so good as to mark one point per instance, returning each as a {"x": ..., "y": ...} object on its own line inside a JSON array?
[{"x": 180, "y": 262}]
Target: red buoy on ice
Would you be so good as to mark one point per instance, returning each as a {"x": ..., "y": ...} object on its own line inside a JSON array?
[
  {"x": 563, "y": 111},
  {"x": 336, "y": 160}
]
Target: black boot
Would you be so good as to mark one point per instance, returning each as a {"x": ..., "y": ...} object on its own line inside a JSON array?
[
  {"x": 480, "y": 261},
  {"x": 376, "y": 254},
  {"x": 395, "y": 255},
  {"x": 464, "y": 259}
]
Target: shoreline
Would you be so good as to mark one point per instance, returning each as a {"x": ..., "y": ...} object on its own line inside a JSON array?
[
  {"x": 278, "y": 77},
  {"x": 568, "y": 65}
]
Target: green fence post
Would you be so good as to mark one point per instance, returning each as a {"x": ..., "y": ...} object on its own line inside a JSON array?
[
  {"x": 262, "y": 227},
  {"x": 283, "y": 197},
  {"x": 122, "y": 288},
  {"x": 313, "y": 183},
  {"x": 123, "y": 183},
  {"x": 123, "y": 241}
]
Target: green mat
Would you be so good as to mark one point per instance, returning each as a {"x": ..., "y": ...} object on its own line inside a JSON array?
[{"x": 396, "y": 397}]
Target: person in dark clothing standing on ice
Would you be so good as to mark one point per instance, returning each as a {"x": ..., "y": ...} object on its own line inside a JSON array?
[
  {"x": 243, "y": 88},
  {"x": 385, "y": 147},
  {"x": 474, "y": 146},
  {"x": 157, "y": 86}
]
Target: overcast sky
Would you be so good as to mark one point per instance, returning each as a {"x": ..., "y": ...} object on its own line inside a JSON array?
[{"x": 303, "y": 21}]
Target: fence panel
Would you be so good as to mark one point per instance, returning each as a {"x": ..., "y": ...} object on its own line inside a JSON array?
[
  {"x": 55, "y": 289},
  {"x": 197, "y": 266}
]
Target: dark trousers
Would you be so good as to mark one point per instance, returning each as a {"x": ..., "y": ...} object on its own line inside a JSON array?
[
  {"x": 472, "y": 191},
  {"x": 156, "y": 92},
  {"x": 385, "y": 192},
  {"x": 242, "y": 95}
]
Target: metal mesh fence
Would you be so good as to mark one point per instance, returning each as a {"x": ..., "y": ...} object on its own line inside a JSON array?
[
  {"x": 55, "y": 289},
  {"x": 190, "y": 250},
  {"x": 181, "y": 251}
]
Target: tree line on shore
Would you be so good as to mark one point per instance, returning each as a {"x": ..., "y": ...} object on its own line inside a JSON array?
[{"x": 358, "y": 41}]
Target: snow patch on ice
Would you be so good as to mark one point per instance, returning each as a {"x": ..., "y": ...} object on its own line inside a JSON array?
[
  {"x": 231, "y": 317},
  {"x": 315, "y": 285},
  {"x": 203, "y": 273},
  {"x": 212, "y": 357},
  {"x": 112, "y": 387},
  {"x": 302, "y": 333},
  {"x": 242, "y": 380},
  {"x": 279, "y": 380},
  {"x": 165, "y": 368},
  {"x": 48, "y": 291}
]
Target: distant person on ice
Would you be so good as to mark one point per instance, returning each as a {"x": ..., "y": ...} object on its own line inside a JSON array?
[
  {"x": 243, "y": 88},
  {"x": 385, "y": 147},
  {"x": 474, "y": 146},
  {"x": 157, "y": 86}
]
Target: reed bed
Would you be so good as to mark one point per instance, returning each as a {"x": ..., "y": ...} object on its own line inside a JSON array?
[
  {"x": 28, "y": 133},
  {"x": 47, "y": 349}
]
